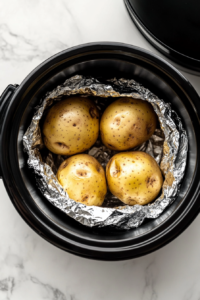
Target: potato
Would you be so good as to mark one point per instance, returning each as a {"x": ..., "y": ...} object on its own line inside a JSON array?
[
  {"x": 71, "y": 126},
  {"x": 134, "y": 177},
  {"x": 127, "y": 123},
  {"x": 83, "y": 178}
]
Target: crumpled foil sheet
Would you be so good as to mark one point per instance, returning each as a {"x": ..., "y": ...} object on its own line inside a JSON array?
[{"x": 168, "y": 145}]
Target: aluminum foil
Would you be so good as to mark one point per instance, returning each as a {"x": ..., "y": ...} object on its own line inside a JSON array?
[{"x": 168, "y": 145}]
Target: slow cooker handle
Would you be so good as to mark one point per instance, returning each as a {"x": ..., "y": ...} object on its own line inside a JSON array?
[{"x": 5, "y": 99}]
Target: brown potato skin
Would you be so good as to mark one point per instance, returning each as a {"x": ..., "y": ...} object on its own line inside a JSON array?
[
  {"x": 127, "y": 123},
  {"x": 134, "y": 177},
  {"x": 83, "y": 178},
  {"x": 71, "y": 126}
]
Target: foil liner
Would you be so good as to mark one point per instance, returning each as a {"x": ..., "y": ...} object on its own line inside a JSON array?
[{"x": 168, "y": 145}]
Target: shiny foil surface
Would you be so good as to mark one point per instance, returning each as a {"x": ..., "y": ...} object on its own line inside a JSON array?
[{"x": 168, "y": 145}]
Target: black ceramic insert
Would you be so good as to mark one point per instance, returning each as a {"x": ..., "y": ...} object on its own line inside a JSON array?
[{"x": 103, "y": 60}]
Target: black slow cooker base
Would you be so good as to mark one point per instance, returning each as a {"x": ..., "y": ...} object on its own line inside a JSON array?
[
  {"x": 103, "y": 61},
  {"x": 99, "y": 68}
]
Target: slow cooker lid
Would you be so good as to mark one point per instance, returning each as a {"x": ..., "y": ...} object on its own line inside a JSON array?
[{"x": 173, "y": 24}]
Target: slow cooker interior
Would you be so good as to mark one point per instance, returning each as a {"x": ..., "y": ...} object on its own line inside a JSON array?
[{"x": 106, "y": 67}]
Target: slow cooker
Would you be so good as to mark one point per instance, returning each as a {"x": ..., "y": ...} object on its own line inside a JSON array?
[{"x": 101, "y": 60}]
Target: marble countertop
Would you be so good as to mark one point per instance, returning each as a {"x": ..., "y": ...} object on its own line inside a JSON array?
[{"x": 31, "y": 268}]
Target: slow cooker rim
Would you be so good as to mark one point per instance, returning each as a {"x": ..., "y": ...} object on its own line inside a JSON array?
[{"x": 74, "y": 49}]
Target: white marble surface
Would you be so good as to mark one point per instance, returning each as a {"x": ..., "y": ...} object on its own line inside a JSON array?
[{"x": 31, "y": 268}]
